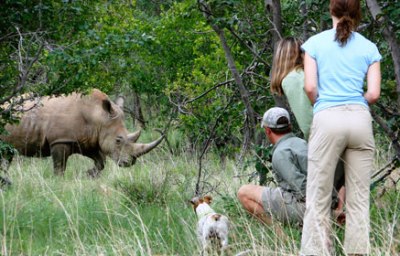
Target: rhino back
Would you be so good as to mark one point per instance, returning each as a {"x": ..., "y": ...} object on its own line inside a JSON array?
[
  {"x": 28, "y": 136},
  {"x": 54, "y": 120}
]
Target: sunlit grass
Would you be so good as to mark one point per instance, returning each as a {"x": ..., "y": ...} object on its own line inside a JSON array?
[{"x": 144, "y": 210}]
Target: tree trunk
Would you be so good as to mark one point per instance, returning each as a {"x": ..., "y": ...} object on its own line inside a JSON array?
[
  {"x": 274, "y": 6},
  {"x": 133, "y": 107},
  {"x": 390, "y": 37},
  {"x": 138, "y": 110},
  {"x": 244, "y": 93},
  {"x": 304, "y": 12}
]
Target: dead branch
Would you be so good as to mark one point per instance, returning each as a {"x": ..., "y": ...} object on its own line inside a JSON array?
[
  {"x": 204, "y": 150},
  {"x": 391, "y": 134},
  {"x": 384, "y": 172},
  {"x": 25, "y": 65},
  {"x": 209, "y": 90}
]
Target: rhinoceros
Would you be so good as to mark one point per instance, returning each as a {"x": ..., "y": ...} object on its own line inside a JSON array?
[{"x": 91, "y": 125}]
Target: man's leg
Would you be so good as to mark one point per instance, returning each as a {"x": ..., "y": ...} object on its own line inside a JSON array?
[
  {"x": 250, "y": 196},
  {"x": 338, "y": 213}
]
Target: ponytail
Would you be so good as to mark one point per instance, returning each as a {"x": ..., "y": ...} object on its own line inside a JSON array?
[
  {"x": 349, "y": 14},
  {"x": 343, "y": 30}
]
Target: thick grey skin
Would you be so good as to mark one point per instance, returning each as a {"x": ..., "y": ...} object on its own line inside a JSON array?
[{"x": 90, "y": 125}]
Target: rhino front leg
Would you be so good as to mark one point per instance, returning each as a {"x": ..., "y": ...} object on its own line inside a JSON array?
[
  {"x": 99, "y": 162},
  {"x": 4, "y": 181},
  {"x": 6, "y": 157},
  {"x": 4, "y": 165},
  {"x": 60, "y": 153}
]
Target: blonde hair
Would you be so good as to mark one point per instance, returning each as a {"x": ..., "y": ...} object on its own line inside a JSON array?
[{"x": 288, "y": 56}]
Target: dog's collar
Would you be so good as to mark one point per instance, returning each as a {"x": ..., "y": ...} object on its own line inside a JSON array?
[{"x": 205, "y": 214}]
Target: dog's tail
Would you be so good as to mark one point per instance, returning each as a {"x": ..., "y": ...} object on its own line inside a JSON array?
[{"x": 216, "y": 217}]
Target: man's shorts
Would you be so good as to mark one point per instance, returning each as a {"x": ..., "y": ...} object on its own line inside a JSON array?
[{"x": 282, "y": 206}]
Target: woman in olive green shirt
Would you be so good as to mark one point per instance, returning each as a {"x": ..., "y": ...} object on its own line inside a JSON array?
[{"x": 287, "y": 78}]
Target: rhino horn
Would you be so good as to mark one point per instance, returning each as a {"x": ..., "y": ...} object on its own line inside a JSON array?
[
  {"x": 141, "y": 149},
  {"x": 133, "y": 137}
]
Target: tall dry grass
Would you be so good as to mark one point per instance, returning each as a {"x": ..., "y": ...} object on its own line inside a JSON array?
[{"x": 144, "y": 210}]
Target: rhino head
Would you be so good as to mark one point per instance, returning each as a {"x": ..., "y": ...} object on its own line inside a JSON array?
[
  {"x": 128, "y": 150},
  {"x": 115, "y": 140}
]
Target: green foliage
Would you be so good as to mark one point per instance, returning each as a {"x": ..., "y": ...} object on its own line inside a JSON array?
[
  {"x": 263, "y": 164},
  {"x": 167, "y": 52},
  {"x": 6, "y": 151},
  {"x": 386, "y": 207},
  {"x": 392, "y": 11},
  {"x": 261, "y": 160},
  {"x": 209, "y": 104},
  {"x": 139, "y": 193}
]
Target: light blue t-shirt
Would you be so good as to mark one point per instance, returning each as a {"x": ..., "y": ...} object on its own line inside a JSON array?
[{"x": 341, "y": 70}]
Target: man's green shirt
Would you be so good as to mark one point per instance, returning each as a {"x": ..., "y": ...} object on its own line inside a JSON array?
[{"x": 289, "y": 163}]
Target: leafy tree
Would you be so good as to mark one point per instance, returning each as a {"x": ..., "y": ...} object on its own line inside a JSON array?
[{"x": 169, "y": 55}]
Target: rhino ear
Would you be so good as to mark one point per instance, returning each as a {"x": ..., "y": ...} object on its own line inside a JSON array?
[
  {"x": 107, "y": 105},
  {"x": 120, "y": 101}
]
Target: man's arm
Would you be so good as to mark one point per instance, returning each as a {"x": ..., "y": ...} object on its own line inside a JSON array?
[{"x": 287, "y": 168}]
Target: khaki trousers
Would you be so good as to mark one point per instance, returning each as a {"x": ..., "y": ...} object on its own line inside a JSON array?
[{"x": 339, "y": 132}]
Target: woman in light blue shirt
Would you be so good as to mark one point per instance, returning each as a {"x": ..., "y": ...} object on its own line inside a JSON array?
[
  {"x": 287, "y": 78},
  {"x": 336, "y": 63}
]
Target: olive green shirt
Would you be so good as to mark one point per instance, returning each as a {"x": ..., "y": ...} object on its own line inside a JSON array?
[
  {"x": 289, "y": 164},
  {"x": 293, "y": 88}
]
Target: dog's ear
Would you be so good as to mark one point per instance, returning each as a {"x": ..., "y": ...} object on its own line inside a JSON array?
[
  {"x": 195, "y": 200},
  {"x": 208, "y": 199}
]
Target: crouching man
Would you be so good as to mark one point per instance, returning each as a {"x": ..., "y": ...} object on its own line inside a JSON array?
[{"x": 285, "y": 203}]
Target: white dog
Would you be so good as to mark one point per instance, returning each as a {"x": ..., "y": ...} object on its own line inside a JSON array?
[{"x": 212, "y": 228}]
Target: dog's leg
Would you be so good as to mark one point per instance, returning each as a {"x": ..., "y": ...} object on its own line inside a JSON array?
[
  {"x": 204, "y": 245},
  {"x": 224, "y": 242}
]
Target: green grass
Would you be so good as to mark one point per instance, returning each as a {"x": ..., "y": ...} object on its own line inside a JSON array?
[{"x": 144, "y": 210}]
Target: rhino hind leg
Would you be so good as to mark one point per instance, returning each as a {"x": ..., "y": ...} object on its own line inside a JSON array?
[
  {"x": 60, "y": 153},
  {"x": 4, "y": 181},
  {"x": 93, "y": 172}
]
